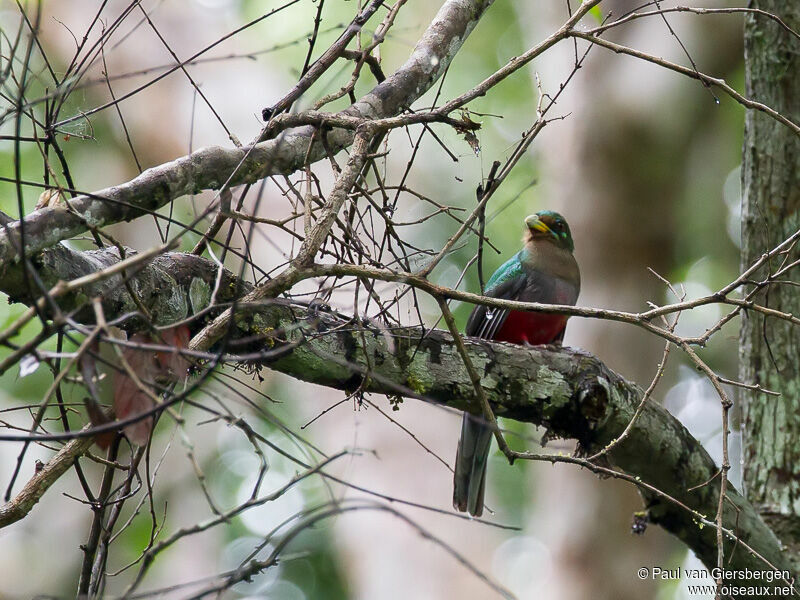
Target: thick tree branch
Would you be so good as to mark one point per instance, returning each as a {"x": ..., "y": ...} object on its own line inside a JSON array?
[
  {"x": 768, "y": 348},
  {"x": 569, "y": 391},
  {"x": 212, "y": 167},
  {"x": 171, "y": 286}
]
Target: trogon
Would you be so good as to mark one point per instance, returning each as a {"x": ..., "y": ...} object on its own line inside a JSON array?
[{"x": 543, "y": 271}]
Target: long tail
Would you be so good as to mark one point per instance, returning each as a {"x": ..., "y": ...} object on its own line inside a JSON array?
[{"x": 472, "y": 457}]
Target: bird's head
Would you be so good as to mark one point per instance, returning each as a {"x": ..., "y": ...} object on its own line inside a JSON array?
[{"x": 549, "y": 226}]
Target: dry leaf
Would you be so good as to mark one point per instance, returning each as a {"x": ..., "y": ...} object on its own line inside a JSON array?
[{"x": 49, "y": 197}]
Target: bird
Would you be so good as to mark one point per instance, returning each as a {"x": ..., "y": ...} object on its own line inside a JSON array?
[{"x": 545, "y": 271}]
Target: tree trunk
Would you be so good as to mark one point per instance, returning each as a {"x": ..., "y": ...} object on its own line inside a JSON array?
[{"x": 770, "y": 348}]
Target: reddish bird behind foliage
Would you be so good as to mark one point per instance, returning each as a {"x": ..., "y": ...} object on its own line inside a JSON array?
[{"x": 132, "y": 397}]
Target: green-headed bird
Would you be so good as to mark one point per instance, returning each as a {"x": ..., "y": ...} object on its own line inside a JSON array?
[{"x": 543, "y": 271}]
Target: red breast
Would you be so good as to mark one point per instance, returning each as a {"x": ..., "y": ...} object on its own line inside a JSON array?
[{"x": 531, "y": 328}]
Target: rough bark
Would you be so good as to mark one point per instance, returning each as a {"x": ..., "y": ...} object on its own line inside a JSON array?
[
  {"x": 172, "y": 286},
  {"x": 214, "y": 167},
  {"x": 571, "y": 392},
  {"x": 770, "y": 348}
]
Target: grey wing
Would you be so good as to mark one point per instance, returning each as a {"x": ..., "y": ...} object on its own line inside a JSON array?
[{"x": 485, "y": 321}]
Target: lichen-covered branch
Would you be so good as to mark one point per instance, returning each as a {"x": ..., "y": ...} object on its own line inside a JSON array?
[
  {"x": 212, "y": 167},
  {"x": 571, "y": 392},
  {"x": 171, "y": 286}
]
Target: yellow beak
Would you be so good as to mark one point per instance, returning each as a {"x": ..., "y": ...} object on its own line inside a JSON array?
[{"x": 533, "y": 222}]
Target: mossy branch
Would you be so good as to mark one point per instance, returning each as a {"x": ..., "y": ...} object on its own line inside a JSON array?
[{"x": 570, "y": 392}]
